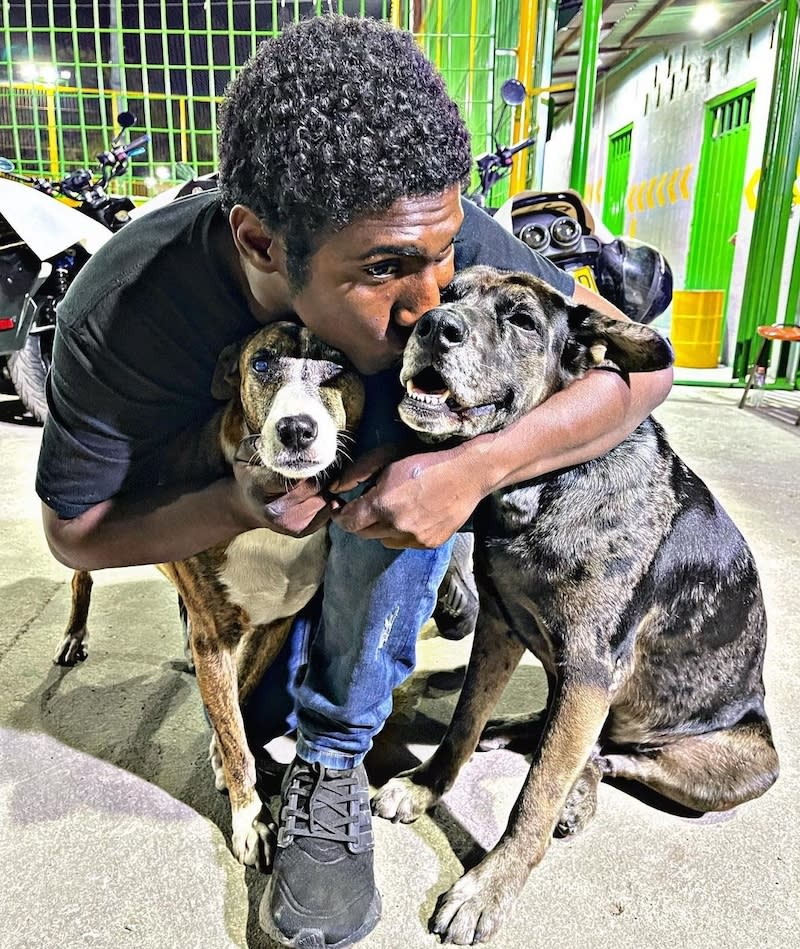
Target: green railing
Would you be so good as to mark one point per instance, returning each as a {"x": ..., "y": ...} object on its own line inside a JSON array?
[{"x": 66, "y": 71}]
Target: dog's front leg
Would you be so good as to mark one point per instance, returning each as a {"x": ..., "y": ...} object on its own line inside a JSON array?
[
  {"x": 215, "y": 667},
  {"x": 496, "y": 652},
  {"x": 72, "y": 648},
  {"x": 475, "y": 907}
]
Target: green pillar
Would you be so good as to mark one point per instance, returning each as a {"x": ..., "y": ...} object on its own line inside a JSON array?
[
  {"x": 584, "y": 93},
  {"x": 543, "y": 76},
  {"x": 779, "y": 167},
  {"x": 792, "y": 314}
]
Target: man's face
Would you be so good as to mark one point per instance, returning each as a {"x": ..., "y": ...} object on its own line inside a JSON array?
[{"x": 368, "y": 284}]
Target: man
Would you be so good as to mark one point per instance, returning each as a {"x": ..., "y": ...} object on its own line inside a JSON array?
[{"x": 342, "y": 161}]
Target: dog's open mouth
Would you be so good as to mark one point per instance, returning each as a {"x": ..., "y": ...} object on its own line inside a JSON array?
[{"x": 427, "y": 393}]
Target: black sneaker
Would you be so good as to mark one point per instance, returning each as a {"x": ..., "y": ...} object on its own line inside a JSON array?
[
  {"x": 322, "y": 894},
  {"x": 456, "y": 611}
]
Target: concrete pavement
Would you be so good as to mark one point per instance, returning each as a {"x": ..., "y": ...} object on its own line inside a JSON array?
[{"x": 112, "y": 835}]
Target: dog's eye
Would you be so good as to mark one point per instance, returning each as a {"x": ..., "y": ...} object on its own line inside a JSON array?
[
  {"x": 522, "y": 319},
  {"x": 261, "y": 363},
  {"x": 327, "y": 372}
]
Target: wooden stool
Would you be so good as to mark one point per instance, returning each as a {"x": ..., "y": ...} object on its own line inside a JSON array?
[{"x": 778, "y": 333}]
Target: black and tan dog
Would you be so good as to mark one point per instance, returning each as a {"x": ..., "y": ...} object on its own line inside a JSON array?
[
  {"x": 294, "y": 403},
  {"x": 623, "y": 576}
]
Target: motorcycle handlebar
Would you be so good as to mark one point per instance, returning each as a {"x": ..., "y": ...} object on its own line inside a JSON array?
[
  {"x": 136, "y": 143},
  {"x": 525, "y": 143}
]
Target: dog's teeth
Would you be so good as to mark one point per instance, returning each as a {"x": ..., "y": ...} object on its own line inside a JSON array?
[{"x": 430, "y": 398}]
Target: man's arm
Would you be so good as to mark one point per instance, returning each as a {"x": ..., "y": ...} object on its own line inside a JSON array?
[
  {"x": 421, "y": 500},
  {"x": 174, "y": 523}
]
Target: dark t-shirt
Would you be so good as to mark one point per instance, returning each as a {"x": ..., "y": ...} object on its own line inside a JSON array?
[{"x": 138, "y": 337}]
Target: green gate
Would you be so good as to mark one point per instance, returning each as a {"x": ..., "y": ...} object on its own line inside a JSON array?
[
  {"x": 67, "y": 69},
  {"x": 718, "y": 199},
  {"x": 617, "y": 170}
]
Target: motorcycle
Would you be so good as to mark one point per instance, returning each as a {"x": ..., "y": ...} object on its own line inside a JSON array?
[
  {"x": 48, "y": 230},
  {"x": 632, "y": 275}
]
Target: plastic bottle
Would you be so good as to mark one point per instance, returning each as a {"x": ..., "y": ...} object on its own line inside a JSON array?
[{"x": 759, "y": 381}]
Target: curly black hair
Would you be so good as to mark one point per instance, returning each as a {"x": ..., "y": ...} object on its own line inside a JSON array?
[{"x": 336, "y": 118}]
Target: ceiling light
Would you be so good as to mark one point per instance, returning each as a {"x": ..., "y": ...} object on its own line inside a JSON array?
[{"x": 706, "y": 16}]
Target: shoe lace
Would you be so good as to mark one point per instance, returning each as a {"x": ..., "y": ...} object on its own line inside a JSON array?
[
  {"x": 327, "y": 806},
  {"x": 454, "y": 602}
]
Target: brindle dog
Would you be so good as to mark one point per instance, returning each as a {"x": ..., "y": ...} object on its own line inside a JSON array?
[
  {"x": 294, "y": 404},
  {"x": 623, "y": 575}
]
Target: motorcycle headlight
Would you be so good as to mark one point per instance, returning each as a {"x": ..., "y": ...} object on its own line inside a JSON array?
[
  {"x": 566, "y": 232},
  {"x": 536, "y": 236}
]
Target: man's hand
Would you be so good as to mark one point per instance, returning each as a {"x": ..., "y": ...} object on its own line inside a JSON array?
[
  {"x": 419, "y": 501},
  {"x": 263, "y": 501}
]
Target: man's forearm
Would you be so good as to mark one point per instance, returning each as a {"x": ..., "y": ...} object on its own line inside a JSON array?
[
  {"x": 167, "y": 524},
  {"x": 574, "y": 425}
]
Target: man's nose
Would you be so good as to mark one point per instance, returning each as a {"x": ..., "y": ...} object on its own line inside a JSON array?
[{"x": 421, "y": 294}]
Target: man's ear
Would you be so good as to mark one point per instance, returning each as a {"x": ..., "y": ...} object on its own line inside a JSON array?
[
  {"x": 227, "y": 379},
  {"x": 256, "y": 245},
  {"x": 629, "y": 346}
]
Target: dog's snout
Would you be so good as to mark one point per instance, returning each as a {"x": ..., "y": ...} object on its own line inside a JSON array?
[
  {"x": 296, "y": 431},
  {"x": 442, "y": 328}
]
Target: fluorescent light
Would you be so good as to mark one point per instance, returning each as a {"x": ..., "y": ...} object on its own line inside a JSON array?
[
  {"x": 162, "y": 172},
  {"x": 706, "y": 15},
  {"x": 28, "y": 71}
]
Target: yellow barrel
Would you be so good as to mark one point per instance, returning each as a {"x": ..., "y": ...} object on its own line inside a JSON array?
[{"x": 696, "y": 331}]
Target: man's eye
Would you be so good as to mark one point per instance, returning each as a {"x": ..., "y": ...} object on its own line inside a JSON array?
[
  {"x": 446, "y": 254},
  {"x": 386, "y": 268}
]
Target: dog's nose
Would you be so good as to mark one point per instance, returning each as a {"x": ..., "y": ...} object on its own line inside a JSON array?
[
  {"x": 296, "y": 431},
  {"x": 442, "y": 329}
]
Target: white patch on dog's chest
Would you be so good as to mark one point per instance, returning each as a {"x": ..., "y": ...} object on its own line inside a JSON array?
[{"x": 273, "y": 576}]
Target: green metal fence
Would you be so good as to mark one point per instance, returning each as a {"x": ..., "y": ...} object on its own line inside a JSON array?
[
  {"x": 474, "y": 44},
  {"x": 68, "y": 69}
]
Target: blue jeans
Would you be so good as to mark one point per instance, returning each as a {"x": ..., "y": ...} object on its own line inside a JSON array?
[{"x": 334, "y": 678}]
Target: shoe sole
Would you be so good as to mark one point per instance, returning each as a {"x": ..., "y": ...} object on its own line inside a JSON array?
[{"x": 315, "y": 938}]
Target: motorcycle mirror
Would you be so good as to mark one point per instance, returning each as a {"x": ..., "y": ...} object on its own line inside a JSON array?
[
  {"x": 126, "y": 119},
  {"x": 512, "y": 92},
  {"x": 6, "y": 164}
]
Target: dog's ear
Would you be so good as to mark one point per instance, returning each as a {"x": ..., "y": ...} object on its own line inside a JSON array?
[
  {"x": 226, "y": 380},
  {"x": 597, "y": 340}
]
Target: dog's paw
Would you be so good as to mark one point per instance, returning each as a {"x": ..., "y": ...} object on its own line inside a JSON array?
[
  {"x": 254, "y": 834},
  {"x": 403, "y": 799},
  {"x": 71, "y": 650},
  {"x": 475, "y": 907},
  {"x": 518, "y": 732},
  {"x": 581, "y": 802},
  {"x": 215, "y": 759}
]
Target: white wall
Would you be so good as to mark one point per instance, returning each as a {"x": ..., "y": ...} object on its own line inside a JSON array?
[{"x": 669, "y": 136}]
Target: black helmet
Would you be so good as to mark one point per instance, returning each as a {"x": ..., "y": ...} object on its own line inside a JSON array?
[{"x": 635, "y": 277}]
